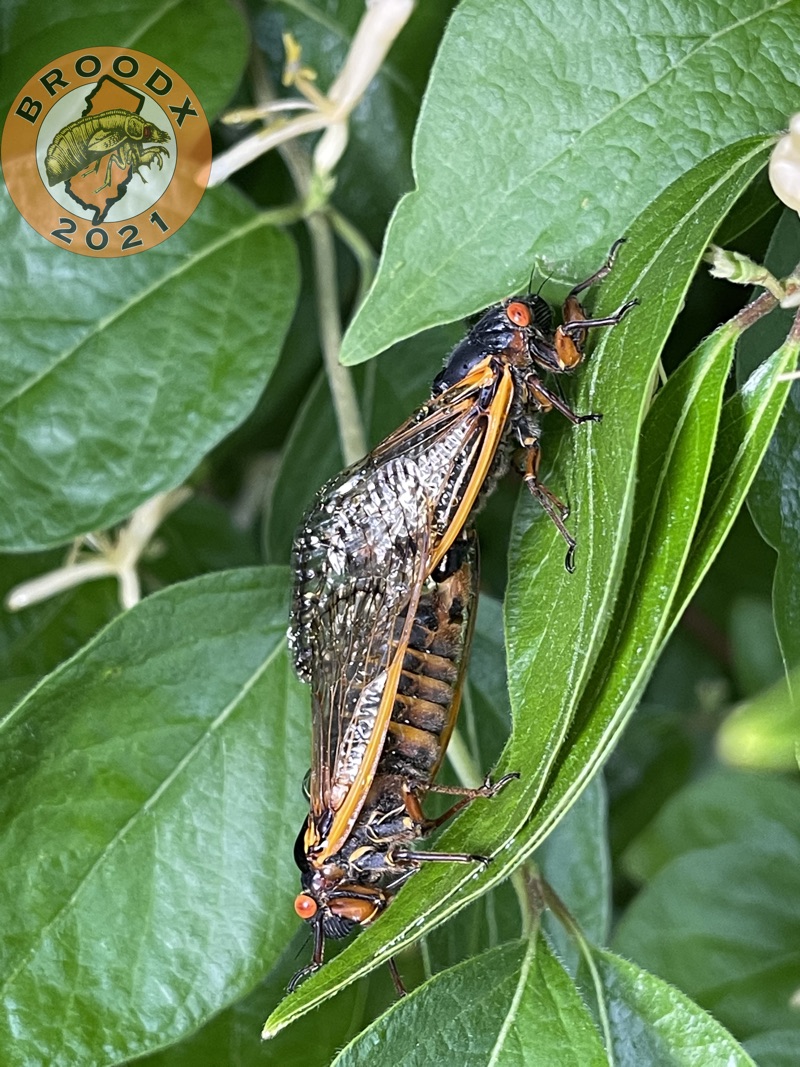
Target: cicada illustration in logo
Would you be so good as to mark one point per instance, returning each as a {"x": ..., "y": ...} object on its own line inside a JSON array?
[{"x": 106, "y": 152}]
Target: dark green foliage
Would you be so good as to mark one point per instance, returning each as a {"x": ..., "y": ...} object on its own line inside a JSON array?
[{"x": 151, "y": 761}]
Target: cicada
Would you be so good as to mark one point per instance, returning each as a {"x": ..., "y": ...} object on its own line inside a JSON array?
[{"x": 386, "y": 577}]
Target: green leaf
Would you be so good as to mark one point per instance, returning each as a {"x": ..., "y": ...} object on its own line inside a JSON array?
[
  {"x": 677, "y": 443},
  {"x": 777, "y": 483},
  {"x": 485, "y": 718},
  {"x": 149, "y": 803},
  {"x": 746, "y": 423},
  {"x": 35, "y": 640},
  {"x": 676, "y": 450},
  {"x": 232, "y": 1037},
  {"x": 776, "y": 1048},
  {"x": 542, "y": 161},
  {"x": 717, "y": 809},
  {"x": 652, "y": 1023},
  {"x": 657, "y": 264},
  {"x": 127, "y": 371},
  {"x": 574, "y": 860},
  {"x": 764, "y": 731},
  {"x": 721, "y": 923},
  {"x": 512, "y": 1005},
  {"x": 205, "y": 41}
]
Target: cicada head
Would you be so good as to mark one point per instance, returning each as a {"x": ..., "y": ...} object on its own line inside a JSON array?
[
  {"x": 340, "y": 909},
  {"x": 332, "y": 906},
  {"x": 329, "y": 899},
  {"x": 513, "y": 328}
]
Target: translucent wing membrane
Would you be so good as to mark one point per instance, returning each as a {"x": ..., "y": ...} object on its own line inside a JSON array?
[{"x": 371, "y": 540}]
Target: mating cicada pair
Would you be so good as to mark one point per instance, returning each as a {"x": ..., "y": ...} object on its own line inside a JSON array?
[{"x": 386, "y": 580}]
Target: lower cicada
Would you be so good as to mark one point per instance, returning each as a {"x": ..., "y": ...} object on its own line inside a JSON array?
[{"x": 385, "y": 585}]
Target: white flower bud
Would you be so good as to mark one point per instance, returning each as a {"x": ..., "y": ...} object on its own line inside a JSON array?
[{"x": 784, "y": 166}]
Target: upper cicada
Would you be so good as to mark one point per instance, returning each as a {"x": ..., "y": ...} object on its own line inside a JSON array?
[{"x": 386, "y": 579}]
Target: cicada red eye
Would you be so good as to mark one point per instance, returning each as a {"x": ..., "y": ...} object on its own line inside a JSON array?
[
  {"x": 519, "y": 313},
  {"x": 305, "y": 906}
]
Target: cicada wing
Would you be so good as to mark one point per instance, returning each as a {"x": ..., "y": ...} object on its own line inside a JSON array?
[
  {"x": 373, "y": 537},
  {"x": 456, "y": 441},
  {"x": 363, "y": 639}
]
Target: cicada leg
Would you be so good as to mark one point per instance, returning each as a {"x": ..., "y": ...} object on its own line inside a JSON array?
[
  {"x": 316, "y": 959},
  {"x": 555, "y": 507},
  {"x": 397, "y": 981},
  {"x": 571, "y": 335},
  {"x": 488, "y": 790},
  {"x": 546, "y": 399}
]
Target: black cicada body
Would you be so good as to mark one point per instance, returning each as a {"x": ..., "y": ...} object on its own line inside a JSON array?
[{"x": 386, "y": 579}]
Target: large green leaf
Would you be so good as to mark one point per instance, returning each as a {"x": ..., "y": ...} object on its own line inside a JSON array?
[
  {"x": 548, "y": 126},
  {"x": 125, "y": 372},
  {"x": 651, "y": 1022},
  {"x": 205, "y": 41},
  {"x": 571, "y": 610},
  {"x": 677, "y": 445},
  {"x": 715, "y": 810},
  {"x": 747, "y": 422},
  {"x": 721, "y": 922},
  {"x": 777, "y": 483},
  {"x": 150, "y": 800},
  {"x": 512, "y": 1005},
  {"x": 232, "y": 1037}
]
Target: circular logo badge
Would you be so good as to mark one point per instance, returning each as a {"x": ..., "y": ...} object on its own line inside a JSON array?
[{"x": 106, "y": 152}]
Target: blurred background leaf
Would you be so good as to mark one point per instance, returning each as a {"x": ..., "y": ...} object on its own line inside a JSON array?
[{"x": 717, "y": 913}]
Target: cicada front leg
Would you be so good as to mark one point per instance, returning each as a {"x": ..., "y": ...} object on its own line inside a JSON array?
[
  {"x": 570, "y": 337},
  {"x": 546, "y": 399}
]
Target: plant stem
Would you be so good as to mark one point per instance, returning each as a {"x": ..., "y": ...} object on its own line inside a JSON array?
[
  {"x": 564, "y": 916},
  {"x": 352, "y": 437},
  {"x": 345, "y": 402},
  {"x": 359, "y": 246}
]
